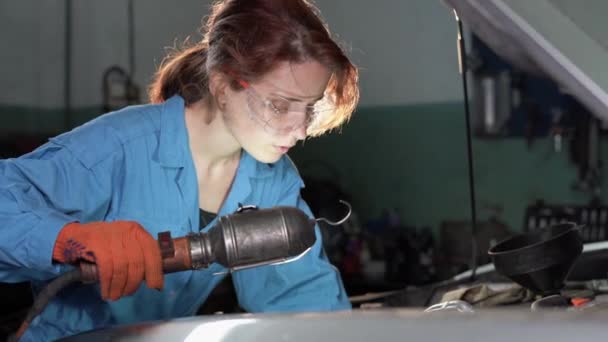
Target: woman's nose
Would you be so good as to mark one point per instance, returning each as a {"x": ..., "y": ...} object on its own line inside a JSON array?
[{"x": 299, "y": 133}]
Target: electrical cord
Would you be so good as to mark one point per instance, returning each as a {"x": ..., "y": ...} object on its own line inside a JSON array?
[
  {"x": 43, "y": 298},
  {"x": 464, "y": 69}
]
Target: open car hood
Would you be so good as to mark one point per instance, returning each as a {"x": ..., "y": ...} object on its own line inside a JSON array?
[{"x": 564, "y": 40}]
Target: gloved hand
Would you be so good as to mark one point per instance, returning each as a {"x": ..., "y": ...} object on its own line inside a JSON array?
[{"x": 125, "y": 254}]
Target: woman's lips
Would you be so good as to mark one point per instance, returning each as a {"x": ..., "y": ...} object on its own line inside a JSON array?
[{"x": 282, "y": 149}]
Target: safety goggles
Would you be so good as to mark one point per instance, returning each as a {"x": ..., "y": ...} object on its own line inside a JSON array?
[{"x": 279, "y": 115}]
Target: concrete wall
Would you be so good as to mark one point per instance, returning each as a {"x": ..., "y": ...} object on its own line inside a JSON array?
[
  {"x": 33, "y": 55},
  {"x": 393, "y": 42}
]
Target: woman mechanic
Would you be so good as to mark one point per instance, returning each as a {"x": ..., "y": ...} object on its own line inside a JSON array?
[{"x": 224, "y": 113}]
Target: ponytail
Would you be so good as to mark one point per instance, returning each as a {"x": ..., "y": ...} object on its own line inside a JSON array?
[{"x": 183, "y": 73}]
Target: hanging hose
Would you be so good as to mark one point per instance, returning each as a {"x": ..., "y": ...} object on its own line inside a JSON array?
[
  {"x": 462, "y": 57},
  {"x": 43, "y": 299}
]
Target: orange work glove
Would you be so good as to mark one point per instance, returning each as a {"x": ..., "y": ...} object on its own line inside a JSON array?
[{"x": 125, "y": 254}]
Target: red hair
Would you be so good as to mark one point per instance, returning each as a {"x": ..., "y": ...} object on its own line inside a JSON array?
[{"x": 245, "y": 39}]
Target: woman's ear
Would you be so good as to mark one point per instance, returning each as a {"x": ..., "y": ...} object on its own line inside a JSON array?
[{"x": 218, "y": 86}]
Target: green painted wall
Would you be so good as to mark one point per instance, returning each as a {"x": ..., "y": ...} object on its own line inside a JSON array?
[
  {"x": 413, "y": 158},
  {"x": 29, "y": 120}
]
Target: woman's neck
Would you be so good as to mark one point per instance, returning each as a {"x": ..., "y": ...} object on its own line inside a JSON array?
[{"x": 211, "y": 143}]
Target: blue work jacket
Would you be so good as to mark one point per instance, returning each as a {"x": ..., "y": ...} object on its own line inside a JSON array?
[{"x": 135, "y": 164}]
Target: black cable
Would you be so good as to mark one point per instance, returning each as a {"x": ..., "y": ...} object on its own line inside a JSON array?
[
  {"x": 43, "y": 298},
  {"x": 67, "y": 99},
  {"x": 132, "y": 90},
  {"x": 464, "y": 69},
  {"x": 131, "y": 43}
]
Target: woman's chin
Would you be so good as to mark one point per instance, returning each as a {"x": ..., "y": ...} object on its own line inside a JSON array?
[{"x": 267, "y": 157}]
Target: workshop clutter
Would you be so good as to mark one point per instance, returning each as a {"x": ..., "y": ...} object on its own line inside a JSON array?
[
  {"x": 593, "y": 218},
  {"x": 455, "y": 250},
  {"x": 382, "y": 254},
  {"x": 407, "y": 251}
]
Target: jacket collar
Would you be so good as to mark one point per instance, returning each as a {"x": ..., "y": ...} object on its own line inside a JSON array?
[
  {"x": 174, "y": 151},
  {"x": 173, "y": 136}
]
